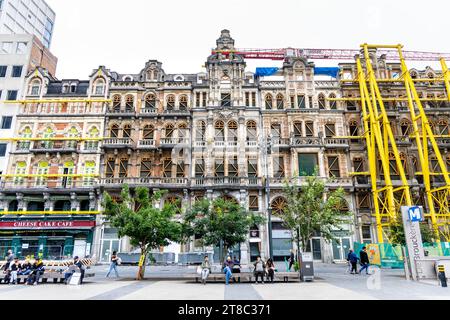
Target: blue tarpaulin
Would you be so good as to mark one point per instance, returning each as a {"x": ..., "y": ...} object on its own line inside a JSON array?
[
  {"x": 327, "y": 71},
  {"x": 265, "y": 72}
]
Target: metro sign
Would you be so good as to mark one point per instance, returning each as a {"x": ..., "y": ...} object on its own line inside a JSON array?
[{"x": 415, "y": 214}]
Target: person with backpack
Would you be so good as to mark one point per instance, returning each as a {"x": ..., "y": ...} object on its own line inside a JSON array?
[
  {"x": 77, "y": 262},
  {"x": 364, "y": 260},
  {"x": 353, "y": 258},
  {"x": 259, "y": 269},
  {"x": 115, "y": 261}
]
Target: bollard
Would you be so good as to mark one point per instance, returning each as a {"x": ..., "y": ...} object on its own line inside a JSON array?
[{"x": 441, "y": 276}]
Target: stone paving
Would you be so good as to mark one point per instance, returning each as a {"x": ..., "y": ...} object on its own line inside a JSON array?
[{"x": 333, "y": 282}]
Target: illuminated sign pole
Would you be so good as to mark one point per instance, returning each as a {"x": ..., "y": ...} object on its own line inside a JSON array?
[{"x": 412, "y": 216}]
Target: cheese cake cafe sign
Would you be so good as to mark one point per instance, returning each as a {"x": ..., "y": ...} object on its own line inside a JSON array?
[{"x": 46, "y": 225}]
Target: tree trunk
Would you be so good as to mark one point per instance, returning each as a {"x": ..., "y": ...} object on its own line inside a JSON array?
[{"x": 141, "y": 270}]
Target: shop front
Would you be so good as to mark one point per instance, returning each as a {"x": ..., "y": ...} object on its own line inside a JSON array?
[{"x": 52, "y": 239}]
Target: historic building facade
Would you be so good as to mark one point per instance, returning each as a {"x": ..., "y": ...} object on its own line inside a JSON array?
[{"x": 225, "y": 132}]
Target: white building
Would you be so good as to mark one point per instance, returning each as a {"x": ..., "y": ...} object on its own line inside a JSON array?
[
  {"x": 19, "y": 53},
  {"x": 27, "y": 16}
]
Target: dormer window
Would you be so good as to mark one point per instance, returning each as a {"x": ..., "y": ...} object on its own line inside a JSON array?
[
  {"x": 99, "y": 87},
  {"x": 65, "y": 88},
  {"x": 73, "y": 88},
  {"x": 127, "y": 78},
  {"x": 35, "y": 87},
  {"x": 179, "y": 78}
]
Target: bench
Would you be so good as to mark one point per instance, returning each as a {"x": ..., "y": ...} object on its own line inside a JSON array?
[
  {"x": 248, "y": 276},
  {"x": 49, "y": 275}
]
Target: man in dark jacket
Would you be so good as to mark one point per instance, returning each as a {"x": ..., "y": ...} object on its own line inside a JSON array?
[
  {"x": 37, "y": 271},
  {"x": 364, "y": 260},
  {"x": 353, "y": 258},
  {"x": 80, "y": 265}
]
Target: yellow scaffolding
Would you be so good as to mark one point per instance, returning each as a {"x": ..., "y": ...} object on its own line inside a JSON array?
[{"x": 382, "y": 146}]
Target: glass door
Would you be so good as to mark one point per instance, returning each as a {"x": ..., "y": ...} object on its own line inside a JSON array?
[
  {"x": 341, "y": 247},
  {"x": 108, "y": 247}
]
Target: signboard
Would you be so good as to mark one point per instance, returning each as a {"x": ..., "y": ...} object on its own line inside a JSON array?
[
  {"x": 373, "y": 251},
  {"x": 75, "y": 279},
  {"x": 25, "y": 245},
  {"x": 45, "y": 225},
  {"x": 411, "y": 218},
  {"x": 141, "y": 260}
]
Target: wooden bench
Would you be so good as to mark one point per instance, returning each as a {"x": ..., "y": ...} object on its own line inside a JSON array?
[{"x": 48, "y": 275}]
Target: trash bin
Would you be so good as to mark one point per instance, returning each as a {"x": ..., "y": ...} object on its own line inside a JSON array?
[{"x": 306, "y": 266}]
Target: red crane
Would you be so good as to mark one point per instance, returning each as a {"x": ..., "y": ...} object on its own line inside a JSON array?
[{"x": 330, "y": 54}]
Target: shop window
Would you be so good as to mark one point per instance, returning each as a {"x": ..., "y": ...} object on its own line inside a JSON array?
[{"x": 307, "y": 163}]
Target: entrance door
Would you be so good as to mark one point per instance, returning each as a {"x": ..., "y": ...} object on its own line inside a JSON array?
[
  {"x": 108, "y": 247},
  {"x": 341, "y": 246}
]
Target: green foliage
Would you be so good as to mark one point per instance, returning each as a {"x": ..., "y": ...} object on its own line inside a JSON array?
[
  {"x": 296, "y": 266},
  {"x": 308, "y": 212},
  {"x": 147, "y": 227},
  {"x": 397, "y": 233},
  {"x": 219, "y": 220}
]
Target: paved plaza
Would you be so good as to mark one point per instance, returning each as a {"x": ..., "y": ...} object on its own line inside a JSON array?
[{"x": 332, "y": 282}]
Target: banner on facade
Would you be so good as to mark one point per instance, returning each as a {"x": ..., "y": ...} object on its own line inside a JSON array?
[{"x": 45, "y": 225}]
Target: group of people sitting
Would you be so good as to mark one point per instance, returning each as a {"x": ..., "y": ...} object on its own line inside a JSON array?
[
  {"x": 13, "y": 268},
  {"x": 34, "y": 271},
  {"x": 261, "y": 269}
]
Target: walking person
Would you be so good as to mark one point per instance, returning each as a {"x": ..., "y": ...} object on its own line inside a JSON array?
[
  {"x": 259, "y": 269},
  {"x": 113, "y": 265},
  {"x": 228, "y": 265},
  {"x": 291, "y": 259},
  {"x": 353, "y": 258},
  {"x": 349, "y": 265},
  {"x": 206, "y": 269},
  {"x": 364, "y": 260},
  {"x": 270, "y": 266},
  {"x": 6, "y": 270},
  {"x": 81, "y": 267}
]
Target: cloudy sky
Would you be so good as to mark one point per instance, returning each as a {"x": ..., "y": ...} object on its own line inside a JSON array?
[{"x": 123, "y": 35}]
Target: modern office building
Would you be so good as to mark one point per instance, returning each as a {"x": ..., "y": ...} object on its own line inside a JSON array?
[{"x": 27, "y": 16}]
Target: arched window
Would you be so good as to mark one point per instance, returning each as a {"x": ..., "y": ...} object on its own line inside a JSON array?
[
  {"x": 150, "y": 101},
  {"x": 89, "y": 171},
  {"x": 405, "y": 127},
  {"x": 322, "y": 103},
  {"x": 114, "y": 132},
  {"x": 35, "y": 87},
  {"x": 21, "y": 168},
  {"x": 48, "y": 134},
  {"x": 442, "y": 127},
  {"x": 269, "y": 101},
  {"x": 116, "y": 102},
  {"x": 68, "y": 169},
  {"x": 251, "y": 131},
  {"x": 42, "y": 171},
  {"x": 219, "y": 131},
  {"x": 354, "y": 128},
  {"x": 413, "y": 74},
  {"x": 280, "y": 101},
  {"x": 99, "y": 87},
  {"x": 278, "y": 205},
  {"x": 73, "y": 133},
  {"x": 148, "y": 132},
  {"x": 200, "y": 131},
  {"x": 183, "y": 102},
  {"x": 25, "y": 133},
  {"x": 93, "y": 134},
  {"x": 170, "y": 102},
  {"x": 129, "y": 103},
  {"x": 168, "y": 131},
  {"x": 182, "y": 131},
  {"x": 333, "y": 103},
  {"x": 127, "y": 131},
  {"x": 232, "y": 131}
]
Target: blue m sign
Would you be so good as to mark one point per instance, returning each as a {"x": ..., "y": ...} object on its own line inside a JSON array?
[{"x": 415, "y": 214}]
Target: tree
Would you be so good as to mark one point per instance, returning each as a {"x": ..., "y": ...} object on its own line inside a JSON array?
[
  {"x": 397, "y": 233},
  {"x": 311, "y": 210},
  {"x": 147, "y": 227},
  {"x": 219, "y": 221}
]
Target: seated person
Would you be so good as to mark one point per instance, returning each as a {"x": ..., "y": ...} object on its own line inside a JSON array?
[
  {"x": 36, "y": 273},
  {"x": 26, "y": 268},
  {"x": 69, "y": 272}
]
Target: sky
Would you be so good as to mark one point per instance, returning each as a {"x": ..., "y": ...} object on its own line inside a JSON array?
[{"x": 123, "y": 35}]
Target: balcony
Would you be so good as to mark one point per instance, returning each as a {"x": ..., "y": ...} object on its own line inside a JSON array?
[
  {"x": 226, "y": 182},
  {"x": 200, "y": 144},
  {"x": 41, "y": 184},
  {"x": 176, "y": 112},
  {"x": 251, "y": 144},
  {"x": 55, "y": 146},
  {"x": 306, "y": 142},
  {"x": 329, "y": 182},
  {"x": 117, "y": 143},
  {"x": 280, "y": 142},
  {"x": 146, "y": 144},
  {"x": 127, "y": 111},
  {"x": 336, "y": 143},
  {"x": 172, "y": 142},
  {"x": 165, "y": 182}
]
